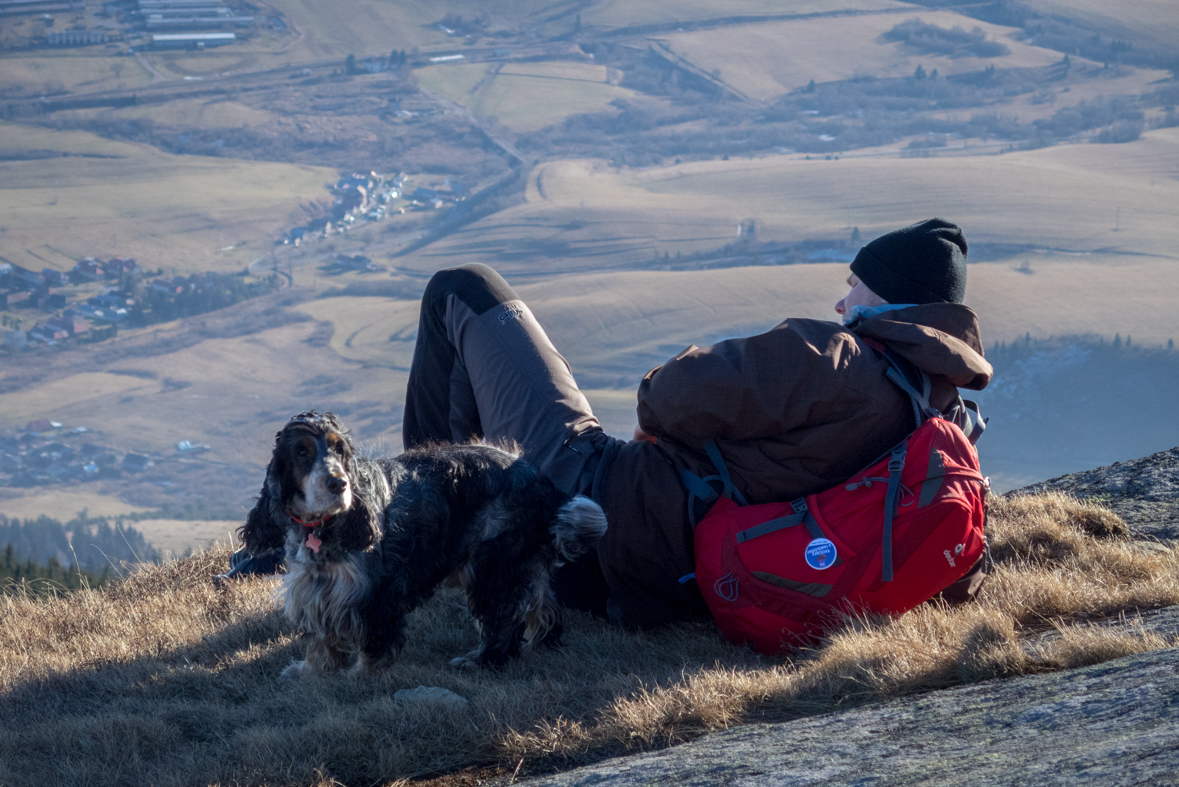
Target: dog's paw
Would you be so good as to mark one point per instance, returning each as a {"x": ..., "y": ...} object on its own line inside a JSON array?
[
  {"x": 464, "y": 662},
  {"x": 368, "y": 665},
  {"x": 296, "y": 670}
]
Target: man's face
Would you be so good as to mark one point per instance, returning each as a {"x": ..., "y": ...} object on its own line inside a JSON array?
[{"x": 859, "y": 295}]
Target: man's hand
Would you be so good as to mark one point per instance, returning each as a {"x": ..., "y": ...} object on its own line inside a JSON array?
[{"x": 641, "y": 435}]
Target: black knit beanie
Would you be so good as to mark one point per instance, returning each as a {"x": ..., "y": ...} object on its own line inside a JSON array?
[{"x": 922, "y": 263}]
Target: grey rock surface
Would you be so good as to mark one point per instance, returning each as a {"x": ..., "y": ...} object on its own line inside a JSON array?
[
  {"x": 1144, "y": 492},
  {"x": 1115, "y": 723}
]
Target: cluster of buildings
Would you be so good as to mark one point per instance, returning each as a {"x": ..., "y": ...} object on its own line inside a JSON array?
[
  {"x": 357, "y": 197},
  {"x": 92, "y": 313},
  {"x": 91, "y": 319},
  {"x": 162, "y": 24},
  {"x": 189, "y": 24},
  {"x": 360, "y": 199},
  {"x": 47, "y": 452}
]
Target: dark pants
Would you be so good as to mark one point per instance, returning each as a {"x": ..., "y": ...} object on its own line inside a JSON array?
[{"x": 483, "y": 368}]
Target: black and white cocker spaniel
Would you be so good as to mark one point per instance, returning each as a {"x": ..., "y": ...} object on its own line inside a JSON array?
[{"x": 369, "y": 540}]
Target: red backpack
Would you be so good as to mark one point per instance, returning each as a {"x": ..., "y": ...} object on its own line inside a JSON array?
[{"x": 890, "y": 538}]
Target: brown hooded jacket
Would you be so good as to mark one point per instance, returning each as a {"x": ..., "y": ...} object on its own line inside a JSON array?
[{"x": 795, "y": 410}]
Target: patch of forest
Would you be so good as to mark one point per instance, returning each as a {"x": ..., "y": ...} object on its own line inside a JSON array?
[
  {"x": 1073, "y": 403},
  {"x": 85, "y": 551}
]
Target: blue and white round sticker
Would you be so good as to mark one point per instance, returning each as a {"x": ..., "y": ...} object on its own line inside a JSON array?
[{"x": 820, "y": 554}]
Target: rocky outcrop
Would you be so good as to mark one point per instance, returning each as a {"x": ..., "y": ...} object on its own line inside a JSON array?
[
  {"x": 1144, "y": 492},
  {"x": 1110, "y": 724},
  {"x": 1115, "y": 723}
]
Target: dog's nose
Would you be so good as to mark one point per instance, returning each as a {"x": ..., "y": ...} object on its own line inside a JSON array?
[{"x": 337, "y": 484}]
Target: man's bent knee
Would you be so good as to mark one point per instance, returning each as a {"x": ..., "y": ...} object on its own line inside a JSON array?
[{"x": 477, "y": 285}]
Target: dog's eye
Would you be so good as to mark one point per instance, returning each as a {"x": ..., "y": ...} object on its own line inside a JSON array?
[{"x": 301, "y": 453}]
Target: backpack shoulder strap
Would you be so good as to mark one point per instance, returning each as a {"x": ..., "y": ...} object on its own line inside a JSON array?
[
  {"x": 914, "y": 382},
  {"x": 917, "y": 384}
]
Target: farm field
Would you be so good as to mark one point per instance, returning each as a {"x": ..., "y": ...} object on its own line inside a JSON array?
[
  {"x": 200, "y": 112},
  {"x": 612, "y": 327},
  {"x": 173, "y": 536},
  {"x": 370, "y": 330},
  {"x": 63, "y": 505},
  {"x": 769, "y": 59},
  {"x": 624, "y": 13},
  {"x": 218, "y": 385},
  {"x": 1123, "y": 81},
  {"x": 54, "y": 72},
  {"x": 587, "y": 215},
  {"x": 524, "y": 96},
  {"x": 371, "y": 27},
  {"x": 106, "y": 198},
  {"x": 1154, "y": 21}
]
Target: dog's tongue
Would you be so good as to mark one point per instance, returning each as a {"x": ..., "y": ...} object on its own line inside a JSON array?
[{"x": 313, "y": 543}]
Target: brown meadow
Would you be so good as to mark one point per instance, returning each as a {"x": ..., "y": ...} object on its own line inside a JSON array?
[{"x": 164, "y": 679}]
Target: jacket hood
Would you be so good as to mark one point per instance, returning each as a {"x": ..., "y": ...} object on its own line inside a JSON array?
[{"x": 941, "y": 339}]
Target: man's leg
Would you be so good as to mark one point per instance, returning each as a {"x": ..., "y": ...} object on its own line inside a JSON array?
[{"x": 483, "y": 367}]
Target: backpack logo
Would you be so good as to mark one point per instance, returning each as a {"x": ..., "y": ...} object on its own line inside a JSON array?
[
  {"x": 726, "y": 587},
  {"x": 820, "y": 554},
  {"x": 949, "y": 558}
]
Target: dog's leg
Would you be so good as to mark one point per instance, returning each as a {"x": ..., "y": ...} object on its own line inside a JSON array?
[
  {"x": 542, "y": 621},
  {"x": 501, "y": 594},
  {"x": 384, "y": 615},
  {"x": 321, "y": 657}
]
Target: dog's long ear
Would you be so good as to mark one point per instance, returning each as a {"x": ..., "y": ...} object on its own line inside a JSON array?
[
  {"x": 262, "y": 530},
  {"x": 359, "y": 528}
]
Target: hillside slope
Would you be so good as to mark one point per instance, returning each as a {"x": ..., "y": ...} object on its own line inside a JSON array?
[{"x": 165, "y": 679}]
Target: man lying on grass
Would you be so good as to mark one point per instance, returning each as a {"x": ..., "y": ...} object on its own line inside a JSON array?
[{"x": 793, "y": 411}]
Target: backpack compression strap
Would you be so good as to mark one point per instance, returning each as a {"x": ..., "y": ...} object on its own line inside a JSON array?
[{"x": 701, "y": 489}]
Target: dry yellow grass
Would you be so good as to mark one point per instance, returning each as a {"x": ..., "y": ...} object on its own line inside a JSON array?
[
  {"x": 525, "y": 96},
  {"x": 124, "y": 198},
  {"x": 1155, "y": 21},
  {"x": 768, "y": 59},
  {"x": 370, "y": 329},
  {"x": 177, "y": 537},
  {"x": 624, "y": 13},
  {"x": 63, "y": 505},
  {"x": 165, "y": 680},
  {"x": 69, "y": 70},
  {"x": 584, "y": 215},
  {"x": 242, "y": 389},
  {"x": 196, "y": 113}
]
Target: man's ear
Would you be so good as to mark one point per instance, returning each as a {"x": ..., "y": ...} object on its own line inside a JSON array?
[{"x": 264, "y": 528}]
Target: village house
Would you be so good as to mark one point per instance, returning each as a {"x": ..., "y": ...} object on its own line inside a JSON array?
[
  {"x": 171, "y": 286},
  {"x": 53, "y": 278},
  {"x": 137, "y": 463},
  {"x": 88, "y": 270},
  {"x": 17, "y": 278},
  {"x": 117, "y": 267},
  {"x": 75, "y": 323}
]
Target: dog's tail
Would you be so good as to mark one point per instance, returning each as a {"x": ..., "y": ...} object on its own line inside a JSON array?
[{"x": 579, "y": 525}]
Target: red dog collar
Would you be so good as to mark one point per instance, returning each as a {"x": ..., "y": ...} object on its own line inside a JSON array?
[{"x": 313, "y": 523}]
